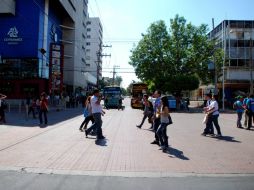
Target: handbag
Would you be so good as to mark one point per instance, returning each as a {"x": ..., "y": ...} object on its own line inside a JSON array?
[
  {"x": 170, "y": 120},
  {"x": 86, "y": 112}
]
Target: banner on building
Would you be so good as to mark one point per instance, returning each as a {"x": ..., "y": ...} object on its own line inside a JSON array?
[{"x": 56, "y": 68}]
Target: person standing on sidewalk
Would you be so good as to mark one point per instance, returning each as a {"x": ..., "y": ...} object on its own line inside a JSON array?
[
  {"x": 89, "y": 117},
  {"x": 157, "y": 118},
  {"x": 238, "y": 105},
  {"x": 97, "y": 113},
  {"x": 250, "y": 111},
  {"x": 43, "y": 108}
]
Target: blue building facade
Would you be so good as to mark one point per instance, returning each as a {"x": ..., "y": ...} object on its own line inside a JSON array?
[{"x": 25, "y": 41}]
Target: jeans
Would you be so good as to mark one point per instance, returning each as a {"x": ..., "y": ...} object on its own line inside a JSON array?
[
  {"x": 216, "y": 124},
  {"x": 86, "y": 121},
  {"x": 44, "y": 112},
  {"x": 162, "y": 134},
  {"x": 96, "y": 125},
  {"x": 156, "y": 125},
  {"x": 250, "y": 116},
  {"x": 239, "y": 118}
]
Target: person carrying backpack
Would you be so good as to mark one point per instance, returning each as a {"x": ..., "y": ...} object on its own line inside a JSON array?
[{"x": 250, "y": 110}]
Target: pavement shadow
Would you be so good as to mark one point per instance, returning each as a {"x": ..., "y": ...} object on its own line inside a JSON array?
[
  {"x": 18, "y": 119},
  {"x": 175, "y": 153},
  {"x": 228, "y": 139}
]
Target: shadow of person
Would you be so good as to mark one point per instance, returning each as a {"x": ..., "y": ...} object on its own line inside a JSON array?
[
  {"x": 175, "y": 153},
  {"x": 101, "y": 142},
  {"x": 228, "y": 139}
]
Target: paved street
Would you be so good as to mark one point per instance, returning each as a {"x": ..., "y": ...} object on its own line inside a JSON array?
[{"x": 60, "y": 148}]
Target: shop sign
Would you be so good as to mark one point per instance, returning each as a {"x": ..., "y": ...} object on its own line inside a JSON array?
[{"x": 13, "y": 36}]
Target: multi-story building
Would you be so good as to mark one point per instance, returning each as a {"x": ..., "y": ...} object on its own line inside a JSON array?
[
  {"x": 94, "y": 47},
  {"x": 235, "y": 37},
  {"x": 42, "y": 47}
]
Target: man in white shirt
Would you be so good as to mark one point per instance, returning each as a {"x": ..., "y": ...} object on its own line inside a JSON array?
[{"x": 97, "y": 112}]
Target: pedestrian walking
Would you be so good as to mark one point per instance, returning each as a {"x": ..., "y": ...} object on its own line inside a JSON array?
[
  {"x": 3, "y": 106},
  {"x": 250, "y": 111},
  {"x": 89, "y": 117},
  {"x": 148, "y": 110},
  {"x": 97, "y": 113},
  {"x": 238, "y": 105},
  {"x": 164, "y": 120},
  {"x": 156, "y": 115},
  {"x": 208, "y": 119},
  {"x": 43, "y": 108},
  {"x": 213, "y": 111}
]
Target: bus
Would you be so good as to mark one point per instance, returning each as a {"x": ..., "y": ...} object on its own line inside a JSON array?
[
  {"x": 111, "y": 95},
  {"x": 137, "y": 92}
]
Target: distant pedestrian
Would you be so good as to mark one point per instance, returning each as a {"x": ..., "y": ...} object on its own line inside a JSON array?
[
  {"x": 164, "y": 120},
  {"x": 148, "y": 110},
  {"x": 3, "y": 106},
  {"x": 43, "y": 108},
  {"x": 246, "y": 117},
  {"x": 250, "y": 111},
  {"x": 208, "y": 121},
  {"x": 97, "y": 113},
  {"x": 213, "y": 110},
  {"x": 88, "y": 118},
  {"x": 238, "y": 105}
]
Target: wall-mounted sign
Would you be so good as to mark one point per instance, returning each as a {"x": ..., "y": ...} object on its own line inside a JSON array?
[
  {"x": 13, "y": 36},
  {"x": 56, "y": 68}
]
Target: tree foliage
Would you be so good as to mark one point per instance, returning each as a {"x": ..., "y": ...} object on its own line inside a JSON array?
[{"x": 176, "y": 59}]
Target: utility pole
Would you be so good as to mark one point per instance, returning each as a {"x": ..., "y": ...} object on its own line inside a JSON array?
[
  {"x": 251, "y": 66},
  {"x": 114, "y": 72},
  {"x": 215, "y": 72},
  {"x": 99, "y": 61}
]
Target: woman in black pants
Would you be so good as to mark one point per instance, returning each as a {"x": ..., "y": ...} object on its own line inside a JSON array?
[{"x": 88, "y": 118}]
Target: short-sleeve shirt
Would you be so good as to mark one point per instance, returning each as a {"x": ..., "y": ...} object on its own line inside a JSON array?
[
  {"x": 96, "y": 108},
  {"x": 214, "y": 104}
]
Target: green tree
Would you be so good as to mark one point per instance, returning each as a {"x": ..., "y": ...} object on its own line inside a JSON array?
[{"x": 173, "y": 60}]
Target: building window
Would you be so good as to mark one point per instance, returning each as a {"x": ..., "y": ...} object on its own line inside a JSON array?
[
  {"x": 88, "y": 29},
  {"x": 88, "y": 43}
]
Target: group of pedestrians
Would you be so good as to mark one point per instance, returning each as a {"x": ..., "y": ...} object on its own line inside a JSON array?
[
  {"x": 244, "y": 106},
  {"x": 158, "y": 114},
  {"x": 94, "y": 107},
  {"x": 211, "y": 110}
]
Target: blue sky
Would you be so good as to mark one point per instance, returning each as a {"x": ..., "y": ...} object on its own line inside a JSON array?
[{"x": 124, "y": 20}]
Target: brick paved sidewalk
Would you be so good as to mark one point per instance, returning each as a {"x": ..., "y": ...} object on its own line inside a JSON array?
[{"x": 61, "y": 148}]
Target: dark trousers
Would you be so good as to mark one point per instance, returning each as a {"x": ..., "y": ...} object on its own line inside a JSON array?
[
  {"x": 86, "y": 121},
  {"x": 96, "y": 125},
  {"x": 209, "y": 126},
  {"x": 216, "y": 124},
  {"x": 44, "y": 112},
  {"x": 31, "y": 109},
  {"x": 143, "y": 120},
  {"x": 239, "y": 118},
  {"x": 162, "y": 134},
  {"x": 250, "y": 117},
  {"x": 156, "y": 125}
]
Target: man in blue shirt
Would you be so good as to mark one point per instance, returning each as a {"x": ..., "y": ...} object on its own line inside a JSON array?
[
  {"x": 238, "y": 105},
  {"x": 250, "y": 108}
]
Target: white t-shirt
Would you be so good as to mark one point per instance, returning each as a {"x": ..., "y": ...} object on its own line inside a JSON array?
[
  {"x": 96, "y": 108},
  {"x": 214, "y": 104}
]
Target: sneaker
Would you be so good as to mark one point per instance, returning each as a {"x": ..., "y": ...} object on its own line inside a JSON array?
[
  {"x": 203, "y": 134},
  {"x": 138, "y": 126},
  {"x": 219, "y": 135}
]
